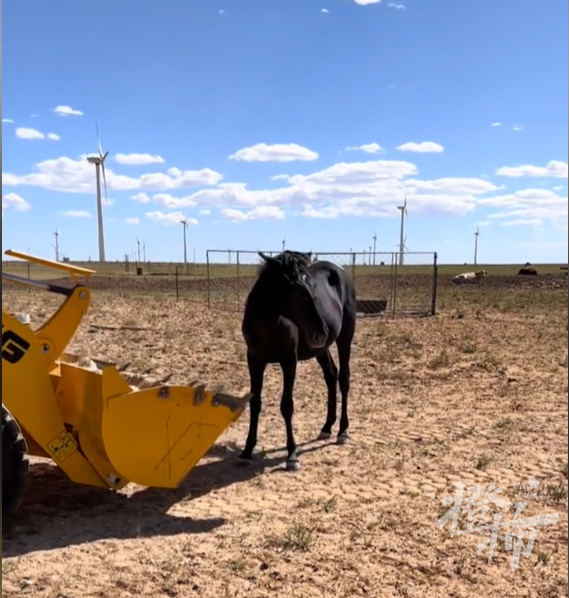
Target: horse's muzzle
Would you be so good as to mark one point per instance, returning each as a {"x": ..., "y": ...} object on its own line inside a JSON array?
[{"x": 319, "y": 339}]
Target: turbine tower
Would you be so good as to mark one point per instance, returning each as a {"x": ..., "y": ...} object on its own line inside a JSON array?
[
  {"x": 185, "y": 225},
  {"x": 99, "y": 162},
  {"x": 476, "y": 236},
  {"x": 402, "y": 239},
  {"x": 56, "y": 246}
]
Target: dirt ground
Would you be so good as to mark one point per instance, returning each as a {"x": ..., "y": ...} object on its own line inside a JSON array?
[{"x": 477, "y": 394}]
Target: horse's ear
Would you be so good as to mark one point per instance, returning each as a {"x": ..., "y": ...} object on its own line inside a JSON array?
[{"x": 268, "y": 259}]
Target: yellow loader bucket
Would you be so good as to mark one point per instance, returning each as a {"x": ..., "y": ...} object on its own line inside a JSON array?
[{"x": 155, "y": 437}]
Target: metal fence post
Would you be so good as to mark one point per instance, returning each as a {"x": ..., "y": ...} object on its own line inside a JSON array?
[
  {"x": 238, "y": 259},
  {"x": 208, "y": 275},
  {"x": 435, "y": 284}
]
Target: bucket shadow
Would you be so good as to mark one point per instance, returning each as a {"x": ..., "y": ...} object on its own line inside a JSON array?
[{"x": 56, "y": 513}]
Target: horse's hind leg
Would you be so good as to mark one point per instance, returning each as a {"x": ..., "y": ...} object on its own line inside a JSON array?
[
  {"x": 330, "y": 371},
  {"x": 344, "y": 345}
]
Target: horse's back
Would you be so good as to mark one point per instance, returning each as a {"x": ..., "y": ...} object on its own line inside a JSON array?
[{"x": 334, "y": 282}]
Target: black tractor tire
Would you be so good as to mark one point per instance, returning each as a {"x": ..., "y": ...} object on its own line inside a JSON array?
[{"x": 15, "y": 464}]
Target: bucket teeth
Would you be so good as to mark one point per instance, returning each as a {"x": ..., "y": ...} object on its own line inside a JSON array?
[
  {"x": 166, "y": 378},
  {"x": 123, "y": 367}
]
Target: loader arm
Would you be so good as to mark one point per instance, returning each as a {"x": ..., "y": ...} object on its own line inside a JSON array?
[{"x": 56, "y": 334}]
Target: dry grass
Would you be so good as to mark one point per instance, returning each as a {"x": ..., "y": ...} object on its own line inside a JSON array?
[{"x": 478, "y": 393}]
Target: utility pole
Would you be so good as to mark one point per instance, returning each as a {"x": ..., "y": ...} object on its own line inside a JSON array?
[
  {"x": 374, "y": 247},
  {"x": 476, "y": 235},
  {"x": 144, "y": 251},
  {"x": 56, "y": 246},
  {"x": 403, "y": 210}
]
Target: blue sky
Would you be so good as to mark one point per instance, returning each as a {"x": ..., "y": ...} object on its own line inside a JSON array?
[{"x": 304, "y": 120}]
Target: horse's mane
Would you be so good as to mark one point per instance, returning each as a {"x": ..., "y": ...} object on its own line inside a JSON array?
[{"x": 293, "y": 262}]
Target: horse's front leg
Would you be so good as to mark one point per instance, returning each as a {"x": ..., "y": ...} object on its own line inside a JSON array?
[
  {"x": 256, "y": 373},
  {"x": 287, "y": 411}
]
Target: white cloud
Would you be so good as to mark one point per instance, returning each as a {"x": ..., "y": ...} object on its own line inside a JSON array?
[
  {"x": 366, "y": 189},
  {"x": 325, "y": 10},
  {"x": 422, "y": 148},
  {"x": 554, "y": 168},
  {"x": 517, "y": 128},
  {"x": 141, "y": 198},
  {"x": 7, "y": 121},
  {"x": 367, "y": 2},
  {"x": 280, "y": 177},
  {"x": 76, "y": 214},
  {"x": 369, "y": 148},
  {"x": 205, "y": 212},
  {"x": 534, "y": 206},
  {"x": 168, "y": 201},
  {"x": 497, "y": 124},
  {"x": 523, "y": 222},
  {"x": 397, "y": 6},
  {"x": 170, "y": 218},
  {"x": 12, "y": 201},
  {"x": 309, "y": 211},
  {"x": 279, "y": 152},
  {"x": 76, "y": 176},
  {"x": 28, "y": 133},
  {"x": 67, "y": 111},
  {"x": 132, "y": 221},
  {"x": 138, "y": 159},
  {"x": 260, "y": 213}
]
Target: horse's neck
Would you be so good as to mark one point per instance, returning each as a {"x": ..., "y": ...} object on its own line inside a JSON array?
[{"x": 260, "y": 302}]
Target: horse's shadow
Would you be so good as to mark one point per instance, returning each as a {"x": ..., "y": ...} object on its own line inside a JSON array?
[{"x": 57, "y": 513}]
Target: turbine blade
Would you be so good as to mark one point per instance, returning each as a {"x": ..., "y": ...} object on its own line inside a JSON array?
[{"x": 99, "y": 139}]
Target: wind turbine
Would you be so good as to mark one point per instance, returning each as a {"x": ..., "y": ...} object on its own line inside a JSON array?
[
  {"x": 374, "y": 247},
  {"x": 99, "y": 162},
  {"x": 476, "y": 236},
  {"x": 402, "y": 238}
]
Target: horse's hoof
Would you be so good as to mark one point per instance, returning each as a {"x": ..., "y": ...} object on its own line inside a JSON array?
[
  {"x": 293, "y": 465},
  {"x": 245, "y": 461},
  {"x": 324, "y": 436},
  {"x": 343, "y": 439}
]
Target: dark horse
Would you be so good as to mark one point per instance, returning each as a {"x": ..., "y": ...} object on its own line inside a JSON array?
[{"x": 295, "y": 311}]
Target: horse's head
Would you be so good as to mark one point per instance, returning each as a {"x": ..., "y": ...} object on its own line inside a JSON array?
[
  {"x": 294, "y": 293},
  {"x": 481, "y": 274}
]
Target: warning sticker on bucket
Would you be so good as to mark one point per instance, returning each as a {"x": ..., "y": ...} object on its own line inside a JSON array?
[{"x": 62, "y": 446}]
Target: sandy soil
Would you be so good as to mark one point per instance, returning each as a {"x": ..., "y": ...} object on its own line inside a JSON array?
[{"x": 473, "y": 395}]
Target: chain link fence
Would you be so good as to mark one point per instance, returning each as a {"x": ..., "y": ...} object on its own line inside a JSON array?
[{"x": 387, "y": 283}]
